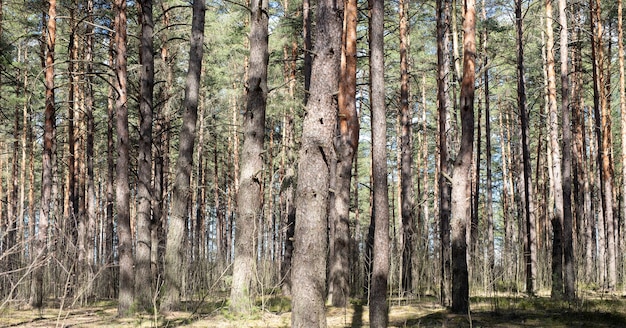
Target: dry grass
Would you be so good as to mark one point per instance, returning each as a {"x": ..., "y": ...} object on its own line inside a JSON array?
[{"x": 487, "y": 312}]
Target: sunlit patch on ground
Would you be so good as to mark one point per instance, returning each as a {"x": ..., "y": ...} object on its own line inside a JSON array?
[{"x": 500, "y": 312}]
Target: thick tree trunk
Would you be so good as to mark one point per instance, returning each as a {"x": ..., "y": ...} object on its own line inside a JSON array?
[
  {"x": 316, "y": 154},
  {"x": 557, "y": 180},
  {"x": 175, "y": 252},
  {"x": 346, "y": 143},
  {"x": 379, "y": 316},
  {"x": 249, "y": 196},
  {"x": 600, "y": 111},
  {"x": 108, "y": 244},
  {"x": 161, "y": 159},
  {"x": 122, "y": 191},
  {"x": 41, "y": 245},
  {"x": 70, "y": 208},
  {"x": 461, "y": 204},
  {"x": 91, "y": 200},
  {"x": 75, "y": 225},
  {"x": 581, "y": 183},
  {"x": 406, "y": 160},
  {"x": 444, "y": 187},
  {"x": 606, "y": 149},
  {"x": 143, "y": 272},
  {"x": 569, "y": 278}
]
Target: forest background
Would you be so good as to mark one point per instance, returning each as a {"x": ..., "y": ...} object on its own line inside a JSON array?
[{"x": 164, "y": 153}]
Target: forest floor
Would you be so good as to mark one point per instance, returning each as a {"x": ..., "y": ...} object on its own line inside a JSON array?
[{"x": 501, "y": 311}]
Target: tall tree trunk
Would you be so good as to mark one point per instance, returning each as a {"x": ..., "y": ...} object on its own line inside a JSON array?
[
  {"x": 175, "y": 252},
  {"x": 143, "y": 276},
  {"x": 21, "y": 239},
  {"x": 557, "y": 183},
  {"x": 2, "y": 222},
  {"x": 108, "y": 253},
  {"x": 443, "y": 103},
  {"x": 530, "y": 255},
  {"x": 31, "y": 191},
  {"x": 489, "y": 192},
  {"x": 41, "y": 245},
  {"x": 346, "y": 144},
  {"x": 622, "y": 105},
  {"x": 461, "y": 204},
  {"x": 89, "y": 154},
  {"x": 506, "y": 203},
  {"x": 122, "y": 191},
  {"x": 568, "y": 246},
  {"x": 249, "y": 196},
  {"x": 13, "y": 186},
  {"x": 599, "y": 104},
  {"x": 581, "y": 183},
  {"x": 308, "y": 47},
  {"x": 161, "y": 157},
  {"x": 316, "y": 154},
  {"x": 71, "y": 209},
  {"x": 472, "y": 236},
  {"x": 606, "y": 150},
  {"x": 288, "y": 182},
  {"x": 379, "y": 316},
  {"x": 406, "y": 149}
]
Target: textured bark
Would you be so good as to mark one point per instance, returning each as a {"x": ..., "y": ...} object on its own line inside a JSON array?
[
  {"x": 161, "y": 158},
  {"x": 91, "y": 200},
  {"x": 181, "y": 191},
  {"x": 569, "y": 278},
  {"x": 41, "y": 244},
  {"x": 530, "y": 238},
  {"x": 249, "y": 196},
  {"x": 143, "y": 271},
  {"x": 110, "y": 182},
  {"x": 443, "y": 103},
  {"x": 555, "y": 151},
  {"x": 2, "y": 222},
  {"x": 13, "y": 235},
  {"x": 622, "y": 105},
  {"x": 379, "y": 315},
  {"x": 308, "y": 58},
  {"x": 316, "y": 153},
  {"x": 489, "y": 192},
  {"x": 31, "y": 189},
  {"x": 21, "y": 240},
  {"x": 472, "y": 236},
  {"x": 346, "y": 143},
  {"x": 460, "y": 200},
  {"x": 581, "y": 183},
  {"x": 603, "y": 154},
  {"x": 406, "y": 161},
  {"x": 605, "y": 149},
  {"x": 70, "y": 208},
  {"x": 3, "y": 229},
  {"x": 122, "y": 191}
]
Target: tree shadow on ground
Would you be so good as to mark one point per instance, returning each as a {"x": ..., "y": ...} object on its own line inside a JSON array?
[
  {"x": 194, "y": 311},
  {"x": 536, "y": 313},
  {"x": 357, "y": 316}
]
